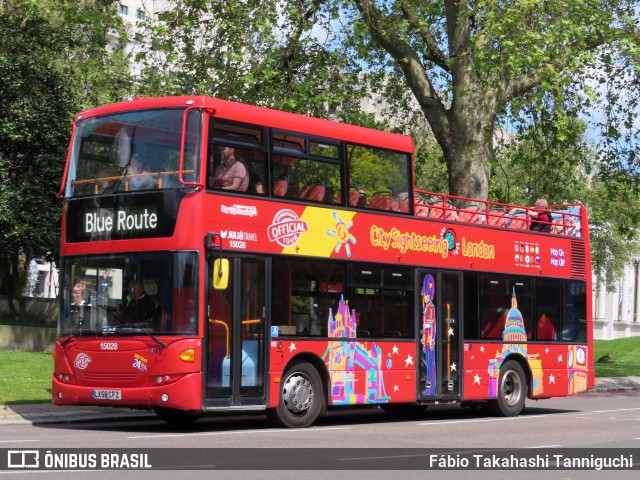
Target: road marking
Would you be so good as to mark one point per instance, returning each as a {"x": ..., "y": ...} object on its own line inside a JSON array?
[
  {"x": 233, "y": 432},
  {"x": 618, "y": 410},
  {"x": 481, "y": 420},
  {"x": 15, "y": 472},
  {"x": 16, "y": 441},
  {"x": 382, "y": 457}
]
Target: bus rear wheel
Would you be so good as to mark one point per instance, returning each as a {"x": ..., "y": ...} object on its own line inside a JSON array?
[
  {"x": 301, "y": 397},
  {"x": 512, "y": 390},
  {"x": 177, "y": 417}
]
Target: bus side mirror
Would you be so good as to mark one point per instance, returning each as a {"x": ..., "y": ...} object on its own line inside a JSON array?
[{"x": 220, "y": 274}]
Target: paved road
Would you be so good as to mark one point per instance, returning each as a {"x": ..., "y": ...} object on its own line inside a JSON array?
[
  {"x": 608, "y": 417},
  {"x": 589, "y": 422}
]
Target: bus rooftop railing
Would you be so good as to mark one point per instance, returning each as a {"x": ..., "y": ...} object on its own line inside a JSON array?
[{"x": 566, "y": 219}]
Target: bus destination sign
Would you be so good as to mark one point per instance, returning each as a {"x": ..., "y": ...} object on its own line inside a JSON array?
[{"x": 142, "y": 216}]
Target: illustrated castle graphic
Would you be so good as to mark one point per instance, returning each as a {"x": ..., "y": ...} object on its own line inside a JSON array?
[{"x": 355, "y": 371}]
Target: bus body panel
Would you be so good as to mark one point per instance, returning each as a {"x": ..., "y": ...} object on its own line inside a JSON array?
[
  {"x": 556, "y": 370},
  {"x": 271, "y": 227},
  {"x": 360, "y": 372}
]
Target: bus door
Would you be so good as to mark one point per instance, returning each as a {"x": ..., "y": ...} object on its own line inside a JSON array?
[
  {"x": 439, "y": 324},
  {"x": 236, "y": 333}
]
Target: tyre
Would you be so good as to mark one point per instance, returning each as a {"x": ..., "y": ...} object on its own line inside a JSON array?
[
  {"x": 301, "y": 397},
  {"x": 177, "y": 417},
  {"x": 512, "y": 390}
]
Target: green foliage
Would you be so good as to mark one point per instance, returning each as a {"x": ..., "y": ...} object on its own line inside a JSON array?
[
  {"x": 26, "y": 377},
  {"x": 34, "y": 132},
  {"x": 54, "y": 62},
  {"x": 259, "y": 52},
  {"x": 430, "y": 166}
]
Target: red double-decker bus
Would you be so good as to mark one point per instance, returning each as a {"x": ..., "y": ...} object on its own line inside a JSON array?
[{"x": 220, "y": 257}]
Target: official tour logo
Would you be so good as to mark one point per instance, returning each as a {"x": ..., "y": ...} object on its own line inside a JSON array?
[
  {"x": 286, "y": 228},
  {"x": 82, "y": 361}
]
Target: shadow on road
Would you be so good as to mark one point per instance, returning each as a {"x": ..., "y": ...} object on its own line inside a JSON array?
[{"x": 344, "y": 416}]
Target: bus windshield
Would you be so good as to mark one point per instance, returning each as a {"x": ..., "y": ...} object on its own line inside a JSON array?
[
  {"x": 134, "y": 292},
  {"x": 133, "y": 151}
]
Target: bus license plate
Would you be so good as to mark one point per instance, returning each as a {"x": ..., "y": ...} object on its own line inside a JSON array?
[{"x": 107, "y": 394}]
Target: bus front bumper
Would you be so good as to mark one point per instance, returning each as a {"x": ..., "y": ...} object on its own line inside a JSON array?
[{"x": 184, "y": 393}]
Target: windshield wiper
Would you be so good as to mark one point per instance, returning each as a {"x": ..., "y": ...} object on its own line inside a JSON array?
[
  {"x": 133, "y": 328},
  {"x": 78, "y": 333}
]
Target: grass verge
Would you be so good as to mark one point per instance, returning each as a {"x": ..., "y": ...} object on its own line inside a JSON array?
[
  {"x": 25, "y": 377},
  {"x": 625, "y": 357}
]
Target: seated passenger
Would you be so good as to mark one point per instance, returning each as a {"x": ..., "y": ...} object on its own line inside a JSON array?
[
  {"x": 231, "y": 174},
  {"x": 79, "y": 314},
  {"x": 255, "y": 183},
  {"x": 540, "y": 214}
]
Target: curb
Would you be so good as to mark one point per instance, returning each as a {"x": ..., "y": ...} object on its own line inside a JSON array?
[{"x": 74, "y": 416}]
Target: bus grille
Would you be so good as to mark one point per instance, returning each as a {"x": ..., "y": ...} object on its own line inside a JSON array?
[
  {"x": 578, "y": 261},
  {"x": 110, "y": 377}
]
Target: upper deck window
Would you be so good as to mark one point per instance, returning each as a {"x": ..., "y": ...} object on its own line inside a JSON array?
[
  {"x": 133, "y": 151},
  {"x": 381, "y": 177},
  {"x": 306, "y": 168},
  {"x": 236, "y": 157}
]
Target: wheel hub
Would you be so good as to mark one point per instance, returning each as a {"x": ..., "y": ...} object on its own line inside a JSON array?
[
  {"x": 511, "y": 388},
  {"x": 297, "y": 394}
]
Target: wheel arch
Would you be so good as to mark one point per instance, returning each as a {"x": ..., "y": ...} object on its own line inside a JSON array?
[{"x": 525, "y": 367}]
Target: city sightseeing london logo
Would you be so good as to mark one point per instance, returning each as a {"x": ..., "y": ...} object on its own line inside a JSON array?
[
  {"x": 82, "y": 361},
  {"x": 286, "y": 228}
]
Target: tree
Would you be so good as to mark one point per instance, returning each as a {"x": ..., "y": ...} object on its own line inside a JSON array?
[
  {"x": 263, "y": 52},
  {"x": 45, "y": 82},
  {"x": 470, "y": 64}
]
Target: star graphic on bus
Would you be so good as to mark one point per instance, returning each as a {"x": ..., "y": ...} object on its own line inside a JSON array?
[{"x": 341, "y": 232}]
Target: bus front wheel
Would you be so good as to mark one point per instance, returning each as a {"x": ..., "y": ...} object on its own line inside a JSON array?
[
  {"x": 301, "y": 397},
  {"x": 512, "y": 390}
]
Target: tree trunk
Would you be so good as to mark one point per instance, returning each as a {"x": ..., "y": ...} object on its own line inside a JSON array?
[
  {"x": 22, "y": 285},
  {"x": 10, "y": 267},
  {"x": 468, "y": 171}
]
